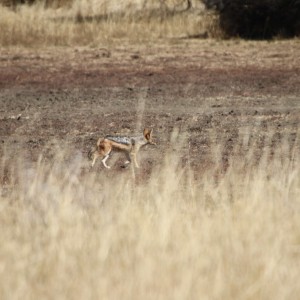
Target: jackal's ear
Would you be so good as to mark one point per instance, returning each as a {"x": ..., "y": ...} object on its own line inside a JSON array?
[{"x": 148, "y": 133}]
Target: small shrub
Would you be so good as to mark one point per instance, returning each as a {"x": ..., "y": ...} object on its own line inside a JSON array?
[{"x": 258, "y": 19}]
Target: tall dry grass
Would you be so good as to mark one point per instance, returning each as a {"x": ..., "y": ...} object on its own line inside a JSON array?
[
  {"x": 69, "y": 234},
  {"x": 94, "y": 23}
]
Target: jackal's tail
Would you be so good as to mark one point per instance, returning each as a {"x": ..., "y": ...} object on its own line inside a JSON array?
[{"x": 91, "y": 152}]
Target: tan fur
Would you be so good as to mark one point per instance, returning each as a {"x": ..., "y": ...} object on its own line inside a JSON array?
[{"x": 133, "y": 144}]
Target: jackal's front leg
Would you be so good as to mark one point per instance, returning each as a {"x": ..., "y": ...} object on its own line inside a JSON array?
[{"x": 128, "y": 160}]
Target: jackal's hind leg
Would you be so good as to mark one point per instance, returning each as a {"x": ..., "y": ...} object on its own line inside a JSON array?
[
  {"x": 95, "y": 156},
  {"x": 104, "y": 161},
  {"x": 105, "y": 149}
]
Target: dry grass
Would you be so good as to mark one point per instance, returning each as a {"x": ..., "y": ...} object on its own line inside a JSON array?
[
  {"x": 94, "y": 23},
  {"x": 73, "y": 235}
]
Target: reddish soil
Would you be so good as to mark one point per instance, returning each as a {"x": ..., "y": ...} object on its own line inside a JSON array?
[{"x": 229, "y": 96}]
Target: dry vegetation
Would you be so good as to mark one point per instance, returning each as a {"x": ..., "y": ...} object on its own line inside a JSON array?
[
  {"x": 70, "y": 233},
  {"x": 95, "y": 23}
]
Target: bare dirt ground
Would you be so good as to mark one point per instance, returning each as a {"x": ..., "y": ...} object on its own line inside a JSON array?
[{"x": 215, "y": 93}]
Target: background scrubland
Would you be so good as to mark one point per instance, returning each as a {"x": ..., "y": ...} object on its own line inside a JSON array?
[{"x": 94, "y": 23}]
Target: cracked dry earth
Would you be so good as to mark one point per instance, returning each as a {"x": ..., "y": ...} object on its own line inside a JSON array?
[{"x": 224, "y": 97}]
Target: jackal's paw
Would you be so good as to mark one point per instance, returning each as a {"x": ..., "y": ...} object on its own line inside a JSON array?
[{"x": 126, "y": 164}]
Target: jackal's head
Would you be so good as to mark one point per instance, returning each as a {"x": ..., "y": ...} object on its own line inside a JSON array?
[{"x": 148, "y": 136}]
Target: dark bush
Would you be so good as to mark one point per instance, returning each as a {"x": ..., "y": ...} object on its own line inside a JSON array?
[{"x": 258, "y": 19}]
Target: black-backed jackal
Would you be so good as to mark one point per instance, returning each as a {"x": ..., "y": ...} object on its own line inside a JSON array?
[{"x": 130, "y": 145}]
